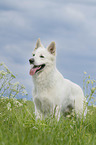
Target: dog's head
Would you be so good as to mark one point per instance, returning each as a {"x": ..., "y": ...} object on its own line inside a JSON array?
[{"x": 43, "y": 59}]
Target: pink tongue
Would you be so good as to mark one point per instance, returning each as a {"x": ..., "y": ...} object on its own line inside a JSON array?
[{"x": 33, "y": 70}]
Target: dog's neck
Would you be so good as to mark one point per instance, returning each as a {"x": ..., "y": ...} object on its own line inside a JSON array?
[{"x": 45, "y": 79}]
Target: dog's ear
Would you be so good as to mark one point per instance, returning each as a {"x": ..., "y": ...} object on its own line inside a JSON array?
[
  {"x": 52, "y": 48},
  {"x": 38, "y": 44}
]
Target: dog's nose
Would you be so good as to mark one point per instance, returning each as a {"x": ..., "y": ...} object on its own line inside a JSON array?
[{"x": 31, "y": 60}]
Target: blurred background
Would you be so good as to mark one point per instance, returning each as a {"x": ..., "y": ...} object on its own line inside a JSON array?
[{"x": 70, "y": 23}]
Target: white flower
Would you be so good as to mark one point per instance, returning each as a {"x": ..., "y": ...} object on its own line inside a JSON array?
[
  {"x": 22, "y": 86},
  {"x": 35, "y": 127},
  {"x": 14, "y": 99},
  {"x": 14, "y": 86},
  {"x": 9, "y": 106},
  {"x": 2, "y": 72},
  {"x": 24, "y": 92},
  {"x": 18, "y": 103},
  {"x": 71, "y": 126},
  {"x": 24, "y": 100},
  {"x": 7, "y": 69},
  {"x": 68, "y": 116},
  {"x": 74, "y": 122}
]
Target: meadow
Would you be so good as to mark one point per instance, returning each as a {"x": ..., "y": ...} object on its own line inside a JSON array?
[{"x": 18, "y": 125}]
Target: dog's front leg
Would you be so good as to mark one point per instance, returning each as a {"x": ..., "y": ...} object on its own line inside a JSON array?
[
  {"x": 56, "y": 112},
  {"x": 38, "y": 114}
]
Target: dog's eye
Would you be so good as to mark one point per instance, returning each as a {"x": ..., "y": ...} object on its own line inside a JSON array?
[
  {"x": 41, "y": 56},
  {"x": 33, "y": 54}
]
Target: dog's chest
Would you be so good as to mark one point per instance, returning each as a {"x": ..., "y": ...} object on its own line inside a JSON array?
[{"x": 43, "y": 104}]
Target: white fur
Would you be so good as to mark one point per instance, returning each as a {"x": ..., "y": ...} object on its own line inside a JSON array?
[{"x": 51, "y": 90}]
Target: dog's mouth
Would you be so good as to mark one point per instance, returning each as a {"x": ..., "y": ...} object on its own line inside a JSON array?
[{"x": 36, "y": 69}]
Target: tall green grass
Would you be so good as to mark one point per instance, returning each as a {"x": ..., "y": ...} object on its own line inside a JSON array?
[{"x": 19, "y": 127}]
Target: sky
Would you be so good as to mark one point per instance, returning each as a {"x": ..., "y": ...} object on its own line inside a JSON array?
[{"x": 70, "y": 23}]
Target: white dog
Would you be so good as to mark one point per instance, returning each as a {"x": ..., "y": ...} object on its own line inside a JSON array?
[{"x": 52, "y": 93}]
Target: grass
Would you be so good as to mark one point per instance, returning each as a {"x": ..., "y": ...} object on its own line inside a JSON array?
[{"x": 19, "y": 127}]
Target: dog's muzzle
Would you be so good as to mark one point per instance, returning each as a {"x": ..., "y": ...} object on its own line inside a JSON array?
[{"x": 31, "y": 61}]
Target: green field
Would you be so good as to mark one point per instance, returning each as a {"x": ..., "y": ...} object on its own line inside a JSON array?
[{"x": 19, "y": 127}]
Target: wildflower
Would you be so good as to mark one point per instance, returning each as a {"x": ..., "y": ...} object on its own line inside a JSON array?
[
  {"x": 6, "y": 86},
  {"x": 71, "y": 126},
  {"x": 92, "y": 82},
  {"x": 23, "y": 125},
  {"x": 14, "y": 99},
  {"x": 9, "y": 106},
  {"x": 93, "y": 90},
  {"x": 88, "y": 81},
  {"x": 35, "y": 127},
  {"x": 89, "y": 77},
  {"x": 2, "y": 72},
  {"x": 85, "y": 72},
  {"x": 68, "y": 116},
  {"x": 74, "y": 122},
  {"x": 1, "y": 63},
  {"x": 94, "y": 105},
  {"x": 16, "y": 84},
  {"x": 8, "y": 71},
  {"x": 22, "y": 86},
  {"x": 24, "y": 92},
  {"x": 18, "y": 103},
  {"x": 24, "y": 100}
]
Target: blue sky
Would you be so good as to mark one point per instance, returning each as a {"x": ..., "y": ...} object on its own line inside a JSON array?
[{"x": 70, "y": 23}]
